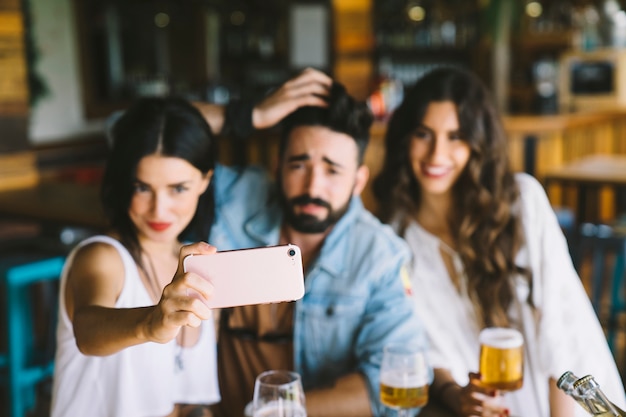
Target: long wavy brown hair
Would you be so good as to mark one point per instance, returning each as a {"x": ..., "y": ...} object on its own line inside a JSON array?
[{"x": 486, "y": 229}]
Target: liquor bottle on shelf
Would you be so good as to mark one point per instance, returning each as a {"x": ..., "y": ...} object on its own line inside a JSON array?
[{"x": 586, "y": 391}]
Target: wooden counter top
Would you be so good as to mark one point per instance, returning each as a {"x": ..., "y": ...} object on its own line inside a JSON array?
[
  {"x": 538, "y": 143},
  {"x": 56, "y": 202},
  {"x": 598, "y": 169},
  {"x": 541, "y": 144},
  {"x": 595, "y": 185},
  {"x": 540, "y": 123},
  {"x": 558, "y": 122}
]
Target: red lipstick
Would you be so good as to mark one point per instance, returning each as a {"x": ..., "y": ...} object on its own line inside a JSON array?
[{"x": 159, "y": 227}]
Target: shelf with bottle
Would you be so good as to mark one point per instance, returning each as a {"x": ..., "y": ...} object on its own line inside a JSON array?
[
  {"x": 413, "y": 37},
  {"x": 253, "y": 48},
  {"x": 215, "y": 49}
]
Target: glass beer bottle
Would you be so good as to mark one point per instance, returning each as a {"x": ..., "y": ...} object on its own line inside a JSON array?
[
  {"x": 586, "y": 391},
  {"x": 566, "y": 384}
]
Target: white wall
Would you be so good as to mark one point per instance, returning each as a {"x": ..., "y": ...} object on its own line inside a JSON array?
[{"x": 59, "y": 115}]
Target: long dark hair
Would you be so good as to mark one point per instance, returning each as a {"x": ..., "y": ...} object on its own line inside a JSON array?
[
  {"x": 169, "y": 127},
  {"x": 485, "y": 227}
]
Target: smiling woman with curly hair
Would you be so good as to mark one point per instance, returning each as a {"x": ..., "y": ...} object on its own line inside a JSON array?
[{"x": 488, "y": 251}]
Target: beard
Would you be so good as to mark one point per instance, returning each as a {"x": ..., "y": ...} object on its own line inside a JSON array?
[{"x": 306, "y": 223}]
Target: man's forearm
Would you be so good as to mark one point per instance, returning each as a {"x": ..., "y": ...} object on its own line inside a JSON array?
[
  {"x": 214, "y": 114},
  {"x": 347, "y": 398}
]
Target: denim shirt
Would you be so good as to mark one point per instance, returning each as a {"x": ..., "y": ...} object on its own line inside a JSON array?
[{"x": 355, "y": 301}]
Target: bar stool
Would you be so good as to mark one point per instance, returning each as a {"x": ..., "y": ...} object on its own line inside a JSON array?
[
  {"x": 30, "y": 314},
  {"x": 606, "y": 249}
]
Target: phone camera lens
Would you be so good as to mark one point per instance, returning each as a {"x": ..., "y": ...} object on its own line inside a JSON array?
[{"x": 291, "y": 252}]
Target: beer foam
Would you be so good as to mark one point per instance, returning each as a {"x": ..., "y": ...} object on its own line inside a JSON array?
[
  {"x": 404, "y": 379},
  {"x": 501, "y": 338}
]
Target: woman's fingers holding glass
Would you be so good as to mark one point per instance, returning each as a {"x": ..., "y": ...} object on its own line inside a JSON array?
[
  {"x": 481, "y": 406},
  {"x": 493, "y": 407},
  {"x": 476, "y": 400},
  {"x": 471, "y": 400},
  {"x": 479, "y": 387}
]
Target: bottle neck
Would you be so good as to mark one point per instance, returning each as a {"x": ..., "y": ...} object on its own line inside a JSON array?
[
  {"x": 596, "y": 402},
  {"x": 566, "y": 384}
]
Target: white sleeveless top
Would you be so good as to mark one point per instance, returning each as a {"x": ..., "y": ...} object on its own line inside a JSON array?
[{"x": 139, "y": 381}]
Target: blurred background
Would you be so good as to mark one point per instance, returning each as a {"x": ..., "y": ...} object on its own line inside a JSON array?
[{"x": 557, "y": 69}]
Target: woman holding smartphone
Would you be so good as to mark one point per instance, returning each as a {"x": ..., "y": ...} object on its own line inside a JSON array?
[
  {"x": 488, "y": 252},
  {"x": 131, "y": 341}
]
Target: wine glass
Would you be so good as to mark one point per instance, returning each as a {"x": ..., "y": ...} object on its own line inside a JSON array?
[
  {"x": 501, "y": 363},
  {"x": 404, "y": 378},
  {"x": 278, "y": 393}
]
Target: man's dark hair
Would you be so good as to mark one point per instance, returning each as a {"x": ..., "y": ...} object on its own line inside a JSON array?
[{"x": 344, "y": 114}]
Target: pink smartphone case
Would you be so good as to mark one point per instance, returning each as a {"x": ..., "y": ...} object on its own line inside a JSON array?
[{"x": 251, "y": 276}]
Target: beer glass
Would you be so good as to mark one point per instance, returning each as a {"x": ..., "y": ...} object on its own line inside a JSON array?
[
  {"x": 278, "y": 394},
  {"x": 501, "y": 358},
  {"x": 404, "y": 378}
]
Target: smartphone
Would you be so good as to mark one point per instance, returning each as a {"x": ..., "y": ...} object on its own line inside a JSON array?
[{"x": 262, "y": 275}]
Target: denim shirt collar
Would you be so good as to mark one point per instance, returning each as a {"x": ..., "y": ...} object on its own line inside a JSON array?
[
  {"x": 335, "y": 249},
  {"x": 265, "y": 225}
]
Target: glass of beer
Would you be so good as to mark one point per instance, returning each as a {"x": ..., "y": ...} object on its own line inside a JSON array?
[
  {"x": 278, "y": 394},
  {"x": 501, "y": 363},
  {"x": 404, "y": 378}
]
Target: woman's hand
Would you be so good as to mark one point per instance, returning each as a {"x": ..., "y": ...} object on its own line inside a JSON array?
[
  {"x": 182, "y": 301},
  {"x": 306, "y": 89},
  {"x": 472, "y": 400},
  {"x": 476, "y": 400}
]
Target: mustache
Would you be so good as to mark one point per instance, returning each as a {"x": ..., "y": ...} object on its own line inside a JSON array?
[{"x": 307, "y": 199}]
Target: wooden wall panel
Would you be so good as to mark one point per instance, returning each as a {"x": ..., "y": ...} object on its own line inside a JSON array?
[{"x": 13, "y": 78}]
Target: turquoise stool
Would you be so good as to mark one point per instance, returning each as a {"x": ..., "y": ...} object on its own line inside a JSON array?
[{"x": 25, "y": 364}]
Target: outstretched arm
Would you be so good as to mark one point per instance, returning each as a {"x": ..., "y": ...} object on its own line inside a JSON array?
[
  {"x": 101, "y": 329},
  {"x": 308, "y": 88}
]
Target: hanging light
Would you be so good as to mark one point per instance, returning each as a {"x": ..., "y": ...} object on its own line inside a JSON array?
[
  {"x": 534, "y": 9},
  {"x": 237, "y": 18},
  {"x": 415, "y": 11},
  {"x": 161, "y": 20}
]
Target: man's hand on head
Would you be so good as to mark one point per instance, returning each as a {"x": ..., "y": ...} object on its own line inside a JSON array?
[{"x": 309, "y": 88}]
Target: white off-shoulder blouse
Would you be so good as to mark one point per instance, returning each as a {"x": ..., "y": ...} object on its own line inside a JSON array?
[{"x": 562, "y": 334}]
